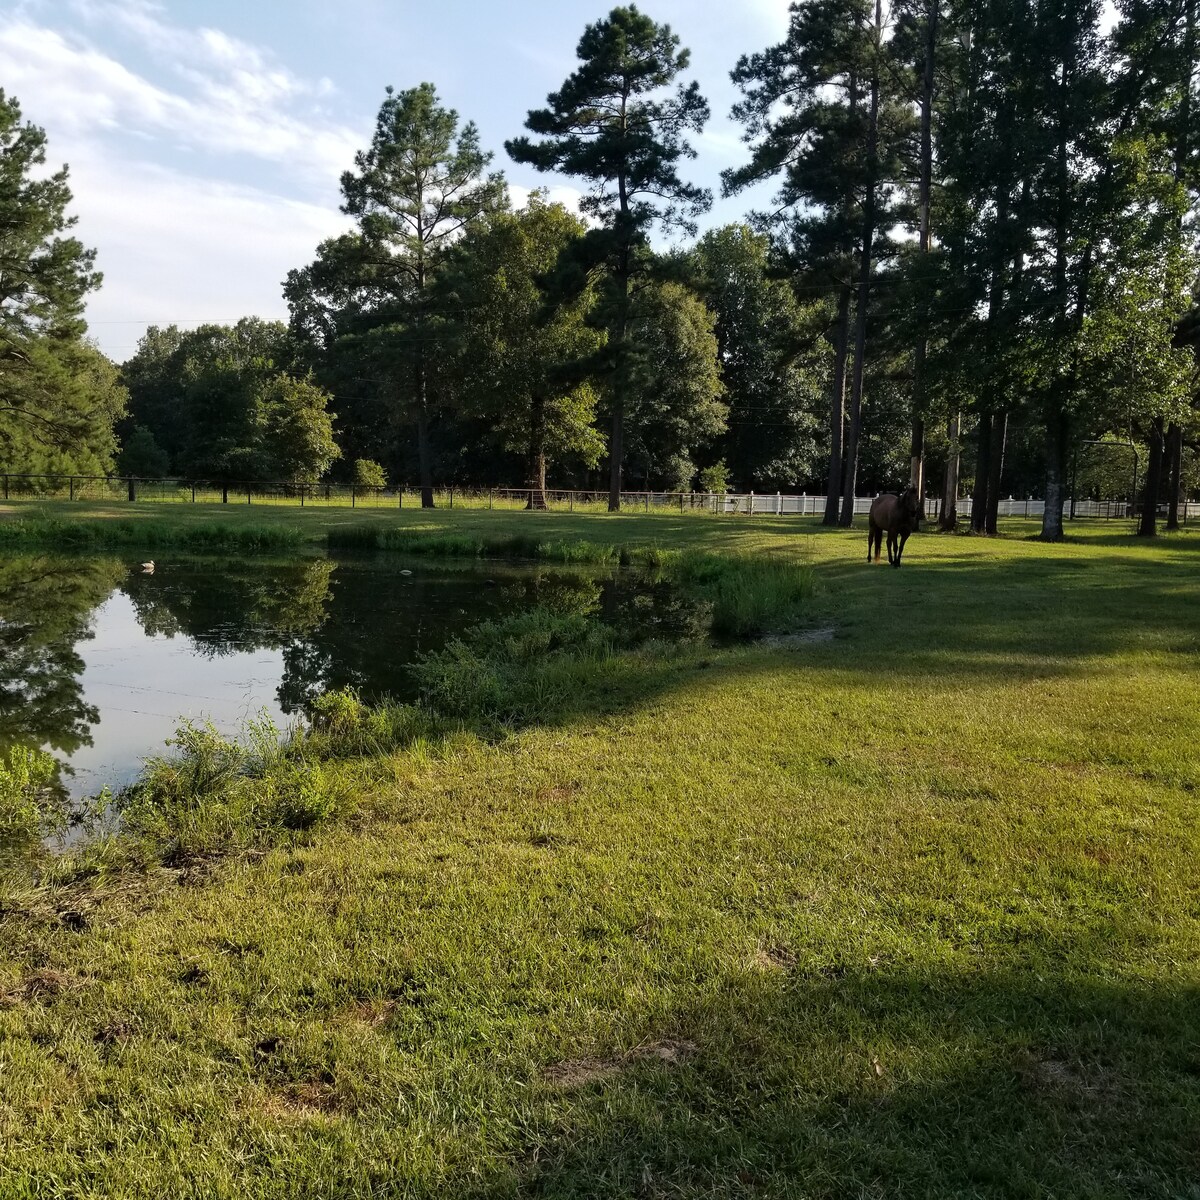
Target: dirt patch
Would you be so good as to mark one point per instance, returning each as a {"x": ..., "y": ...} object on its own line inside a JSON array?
[
  {"x": 372, "y": 1013},
  {"x": 1050, "y": 1074},
  {"x": 795, "y": 641},
  {"x": 40, "y": 985},
  {"x": 579, "y": 1072},
  {"x": 301, "y": 1102},
  {"x": 558, "y": 795},
  {"x": 773, "y": 958}
]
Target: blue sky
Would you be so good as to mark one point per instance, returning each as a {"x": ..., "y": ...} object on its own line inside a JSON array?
[{"x": 206, "y": 139}]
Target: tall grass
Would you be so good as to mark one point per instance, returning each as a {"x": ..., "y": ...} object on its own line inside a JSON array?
[
  {"x": 215, "y": 793},
  {"x": 147, "y": 534},
  {"x": 29, "y": 808},
  {"x": 458, "y": 545},
  {"x": 751, "y": 596}
]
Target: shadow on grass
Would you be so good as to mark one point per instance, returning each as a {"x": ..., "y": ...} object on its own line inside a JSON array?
[{"x": 893, "y": 1083}]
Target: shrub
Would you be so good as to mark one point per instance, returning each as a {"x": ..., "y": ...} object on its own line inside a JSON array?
[
  {"x": 368, "y": 474},
  {"x": 29, "y": 810}
]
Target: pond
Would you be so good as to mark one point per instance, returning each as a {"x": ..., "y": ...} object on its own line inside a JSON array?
[{"x": 100, "y": 661}]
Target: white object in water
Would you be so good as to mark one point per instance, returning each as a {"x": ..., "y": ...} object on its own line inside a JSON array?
[
  {"x": 148, "y": 568},
  {"x": 405, "y": 572}
]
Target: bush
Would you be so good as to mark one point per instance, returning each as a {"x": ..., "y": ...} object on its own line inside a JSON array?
[
  {"x": 714, "y": 479},
  {"x": 29, "y": 810},
  {"x": 369, "y": 474}
]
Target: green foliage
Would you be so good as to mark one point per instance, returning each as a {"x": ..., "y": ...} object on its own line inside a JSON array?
[
  {"x": 522, "y": 360},
  {"x": 58, "y": 395},
  {"x": 750, "y": 596},
  {"x": 369, "y": 474},
  {"x": 29, "y": 808},
  {"x": 366, "y": 304},
  {"x": 518, "y": 670},
  {"x": 773, "y": 360},
  {"x": 224, "y": 402},
  {"x": 674, "y": 408},
  {"x": 142, "y": 456},
  {"x": 614, "y": 125},
  {"x": 714, "y": 479},
  {"x": 295, "y": 430}
]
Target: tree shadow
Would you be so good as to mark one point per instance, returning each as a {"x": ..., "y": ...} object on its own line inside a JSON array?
[{"x": 876, "y": 1082}]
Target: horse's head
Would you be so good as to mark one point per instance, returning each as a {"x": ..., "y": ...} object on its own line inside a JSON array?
[{"x": 910, "y": 507}]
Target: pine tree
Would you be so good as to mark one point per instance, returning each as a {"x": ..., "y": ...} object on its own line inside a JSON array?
[
  {"x": 421, "y": 183},
  {"x": 823, "y": 114},
  {"x": 49, "y": 412},
  {"x": 615, "y": 125}
]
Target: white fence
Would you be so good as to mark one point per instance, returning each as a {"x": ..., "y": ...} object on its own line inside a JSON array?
[{"x": 782, "y": 504}]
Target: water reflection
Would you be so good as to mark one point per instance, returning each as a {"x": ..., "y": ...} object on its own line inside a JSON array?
[{"x": 99, "y": 662}]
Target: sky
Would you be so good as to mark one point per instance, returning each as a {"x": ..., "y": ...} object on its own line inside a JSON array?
[{"x": 206, "y": 139}]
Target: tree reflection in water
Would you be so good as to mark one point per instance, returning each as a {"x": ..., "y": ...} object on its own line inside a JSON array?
[{"x": 356, "y": 622}]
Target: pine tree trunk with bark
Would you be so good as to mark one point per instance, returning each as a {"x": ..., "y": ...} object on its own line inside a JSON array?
[
  {"x": 995, "y": 471},
  {"x": 1058, "y": 428},
  {"x": 983, "y": 459},
  {"x": 537, "y": 454},
  {"x": 948, "y": 517},
  {"x": 837, "y": 408},
  {"x": 1174, "y": 475}
]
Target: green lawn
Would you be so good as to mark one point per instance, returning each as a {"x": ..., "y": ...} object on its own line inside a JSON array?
[{"x": 914, "y": 911}]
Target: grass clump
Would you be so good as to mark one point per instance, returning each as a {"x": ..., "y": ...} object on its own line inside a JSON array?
[
  {"x": 29, "y": 807},
  {"x": 527, "y": 668},
  {"x": 148, "y": 534},
  {"x": 218, "y": 793},
  {"x": 750, "y": 596}
]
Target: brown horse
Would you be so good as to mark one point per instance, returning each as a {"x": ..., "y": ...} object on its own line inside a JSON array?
[{"x": 898, "y": 516}]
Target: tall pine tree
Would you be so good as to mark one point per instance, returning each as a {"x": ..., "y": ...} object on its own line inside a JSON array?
[{"x": 618, "y": 124}]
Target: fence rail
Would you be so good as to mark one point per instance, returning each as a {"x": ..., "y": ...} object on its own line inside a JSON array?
[{"x": 208, "y": 491}]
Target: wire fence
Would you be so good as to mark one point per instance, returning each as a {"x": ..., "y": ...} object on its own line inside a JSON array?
[{"x": 243, "y": 492}]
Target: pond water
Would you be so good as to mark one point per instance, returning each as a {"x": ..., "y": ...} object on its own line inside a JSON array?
[{"x": 100, "y": 661}]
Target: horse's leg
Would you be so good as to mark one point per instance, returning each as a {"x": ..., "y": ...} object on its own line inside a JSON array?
[
  {"x": 891, "y": 547},
  {"x": 900, "y": 547},
  {"x": 870, "y": 540}
]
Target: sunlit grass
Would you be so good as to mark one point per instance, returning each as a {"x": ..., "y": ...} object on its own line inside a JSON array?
[{"x": 913, "y": 911}]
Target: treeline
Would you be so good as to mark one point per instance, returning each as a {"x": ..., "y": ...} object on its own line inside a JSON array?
[{"x": 979, "y": 262}]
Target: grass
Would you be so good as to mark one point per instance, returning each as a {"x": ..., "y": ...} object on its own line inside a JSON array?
[
  {"x": 909, "y": 912},
  {"x": 147, "y": 534}
]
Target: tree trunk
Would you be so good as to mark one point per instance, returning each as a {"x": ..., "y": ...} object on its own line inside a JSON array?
[
  {"x": 995, "y": 470},
  {"x": 925, "y": 191},
  {"x": 1174, "y": 474},
  {"x": 1057, "y": 434},
  {"x": 424, "y": 455},
  {"x": 616, "y": 437},
  {"x": 537, "y": 454},
  {"x": 916, "y": 474},
  {"x": 616, "y": 451},
  {"x": 948, "y": 518},
  {"x": 1148, "y": 525},
  {"x": 983, "y": 468},
  {"x": 864, "y": 279},
  {"x": 837, "y": 408}
]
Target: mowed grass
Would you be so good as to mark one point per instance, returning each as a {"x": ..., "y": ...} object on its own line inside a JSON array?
[{"x": 909, "y": 912}]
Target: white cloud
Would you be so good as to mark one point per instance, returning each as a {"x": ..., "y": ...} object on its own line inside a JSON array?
[
  {"x": 179, "y": 249},
  {"x": 235, "y": 102},
  {"x": 568, "y": 197}
]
